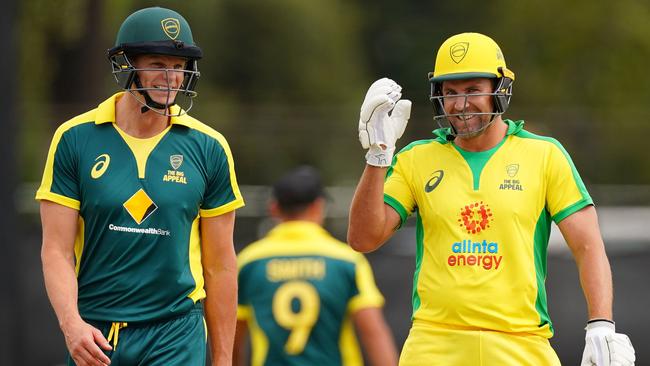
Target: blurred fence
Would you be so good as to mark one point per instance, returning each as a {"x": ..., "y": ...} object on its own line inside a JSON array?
[{"x": 624, "y": 214}]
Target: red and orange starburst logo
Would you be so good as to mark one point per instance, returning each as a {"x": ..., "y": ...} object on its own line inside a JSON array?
[{"x": 476, "y": 217}]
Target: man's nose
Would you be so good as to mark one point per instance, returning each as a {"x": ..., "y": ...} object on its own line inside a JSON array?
[{"x": 460, "y": 102}]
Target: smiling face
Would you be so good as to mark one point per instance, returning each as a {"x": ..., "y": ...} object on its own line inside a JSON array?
[
  {"x": 162, "y": 76},
  {"x": 469, "y": 105}
]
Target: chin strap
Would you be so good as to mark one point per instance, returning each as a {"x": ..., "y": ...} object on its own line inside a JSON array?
[{"x": 150, "y": 103}]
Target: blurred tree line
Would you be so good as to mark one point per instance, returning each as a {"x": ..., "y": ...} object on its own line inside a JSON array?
[{"x": 283, "y": 80}]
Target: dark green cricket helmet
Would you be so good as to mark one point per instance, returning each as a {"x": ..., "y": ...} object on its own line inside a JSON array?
[{"x": 157, "y": 31}]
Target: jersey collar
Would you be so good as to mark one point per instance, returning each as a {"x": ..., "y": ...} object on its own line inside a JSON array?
[
  {"x": 297, "y": 230},
  {"x": 513, "y": 128},
  {"x": 106, "y": 112}
]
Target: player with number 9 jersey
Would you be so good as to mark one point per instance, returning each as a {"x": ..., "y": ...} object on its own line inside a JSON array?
[{"x": 299, "y": 289}]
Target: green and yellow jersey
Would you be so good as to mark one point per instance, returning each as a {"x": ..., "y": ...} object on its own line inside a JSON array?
[
  {"x": 298, "y": 287},
  {"x": 138, "y": 248},
  {"x": 483, "y": 224}
]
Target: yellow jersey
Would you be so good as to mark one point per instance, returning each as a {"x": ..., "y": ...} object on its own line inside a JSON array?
[{"x": 483, "y": 224}]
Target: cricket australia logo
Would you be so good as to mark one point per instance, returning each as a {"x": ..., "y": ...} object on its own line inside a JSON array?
[
  {"x": 512, "y": 170},
  {"x": 171, "y": 27},
  {"x": 458, "y": 51},
  {"x": 511, "y": 184},
  {"x": 175, "y": 175},
  {"x": 176, "y": 161}
]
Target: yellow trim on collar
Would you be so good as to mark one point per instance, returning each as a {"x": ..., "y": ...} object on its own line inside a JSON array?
[{"x": 106, "y": 112}]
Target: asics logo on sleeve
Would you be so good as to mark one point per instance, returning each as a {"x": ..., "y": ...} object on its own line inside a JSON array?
[
  {"x": 433, "y": 182},
  {"x": 100, "y": 166}
]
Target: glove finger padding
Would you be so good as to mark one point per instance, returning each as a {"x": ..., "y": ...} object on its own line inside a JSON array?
[
  {"x": 621, "y": 350},
  {"x": 373, "y": 112},
  {"x": 378, "y": 127},
  {"x": 375, "y": 107},
  {"x": 605, "y": 347},
  {"x": 400, "y": 116},
  {"x": 386, "y": 83}
]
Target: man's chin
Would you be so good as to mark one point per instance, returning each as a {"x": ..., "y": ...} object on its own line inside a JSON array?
[
  {"x": 469, "y": 133},
  {"x": 162, "y": 97}
]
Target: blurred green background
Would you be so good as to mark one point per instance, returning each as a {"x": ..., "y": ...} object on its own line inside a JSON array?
[{"x": 283, "y": 80}]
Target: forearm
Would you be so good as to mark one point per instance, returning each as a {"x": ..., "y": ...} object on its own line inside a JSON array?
[
  {"x": 375, "y": 337},
  {"x": 240, "y": 339},
  {"x": 596, "y": 280},
  {"x": 582, "y": 234},
  {"x": 367, "y": 212},
  {"x": 381, "y": 349},
  {"x": 61, "y": 285},
  {"x": 221, "y": 313}
]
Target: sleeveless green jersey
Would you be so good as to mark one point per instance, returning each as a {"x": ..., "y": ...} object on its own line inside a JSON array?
[
  {"x": 298, "y": 287},
  {"x": 483, "y": 225},
  {"x": 138, "y": 248}
]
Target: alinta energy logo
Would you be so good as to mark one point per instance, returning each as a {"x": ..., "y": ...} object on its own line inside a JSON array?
[{"x": 475, "y": 218}]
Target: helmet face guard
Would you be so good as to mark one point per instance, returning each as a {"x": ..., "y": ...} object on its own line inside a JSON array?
[
  {"x": 469, "y": 56},
  {"x": 156, "y": 31},
  {"x": 500, "y": 99},
  {"x": 126, "y": 76}
]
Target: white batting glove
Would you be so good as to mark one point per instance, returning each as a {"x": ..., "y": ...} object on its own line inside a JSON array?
[
  {"x": 605, "y": 347},
  {"x": 378, "y": 131}
]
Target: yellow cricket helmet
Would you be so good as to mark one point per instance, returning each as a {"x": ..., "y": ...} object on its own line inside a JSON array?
[{"x": 469, "y": 56}]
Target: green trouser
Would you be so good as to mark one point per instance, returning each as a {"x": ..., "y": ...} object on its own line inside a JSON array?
[{"x": 177, "y": 341}]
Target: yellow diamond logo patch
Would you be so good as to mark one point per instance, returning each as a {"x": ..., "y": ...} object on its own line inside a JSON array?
[{"x": 140, "y": 206}]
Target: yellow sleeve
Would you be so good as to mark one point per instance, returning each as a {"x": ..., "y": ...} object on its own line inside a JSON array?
[
  {"x": 397, "y": 188},
  {"x": 565, "y": 191},
  {"x": 244, "y": 312},
  {"x": 369, "y": 295},
  {"x": 60, "y": 183}
]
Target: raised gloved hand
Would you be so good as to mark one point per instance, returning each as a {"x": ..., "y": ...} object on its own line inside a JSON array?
[
  {"x": 605, "y": 347},
  {"x": 378, "y": 131}
]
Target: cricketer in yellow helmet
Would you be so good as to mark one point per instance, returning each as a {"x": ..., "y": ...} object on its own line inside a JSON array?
[{"x": 484, "y": 192}]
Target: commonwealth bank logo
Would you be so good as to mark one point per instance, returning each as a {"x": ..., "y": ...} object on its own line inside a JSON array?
[
  {"x": 171, "y": 27},
  {"x": 140, "y": 206}
]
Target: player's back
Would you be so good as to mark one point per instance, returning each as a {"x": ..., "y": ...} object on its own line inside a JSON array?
[{"x": 295, "y": 288}]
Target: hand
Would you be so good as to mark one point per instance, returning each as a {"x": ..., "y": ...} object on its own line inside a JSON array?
[
  {"x": 84, "y": 342},
  {"x": 379, "y": 131},
  {"x": 605, "y": 347}
]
